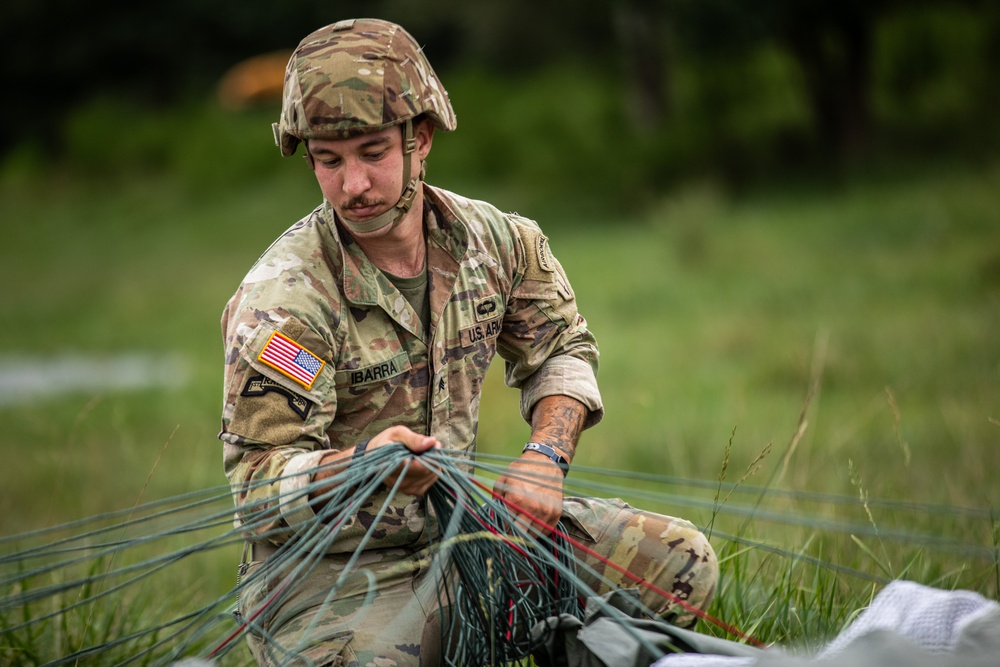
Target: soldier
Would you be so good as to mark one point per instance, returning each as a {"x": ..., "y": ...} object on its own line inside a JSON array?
[{"x": 373, "y": 321}]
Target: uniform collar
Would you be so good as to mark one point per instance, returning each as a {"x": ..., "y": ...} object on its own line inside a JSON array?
[
  {"x": 442, "y": 224},
  {"x": 364, "y": 285}
]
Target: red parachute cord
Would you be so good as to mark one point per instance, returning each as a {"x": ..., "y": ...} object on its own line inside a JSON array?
[
  {"x": 245, "y": 623},
  {"x": 637, "y": 579},
  {"x": 634, "y": 577}
]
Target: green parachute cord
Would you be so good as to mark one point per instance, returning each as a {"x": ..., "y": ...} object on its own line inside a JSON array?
[{"x": 497, "y": 579}]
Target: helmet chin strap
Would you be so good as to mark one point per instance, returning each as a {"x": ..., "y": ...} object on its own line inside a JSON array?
[{"x": 395, "y": 214}]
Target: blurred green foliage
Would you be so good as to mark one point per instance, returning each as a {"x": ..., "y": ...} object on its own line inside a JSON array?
[{"x": 610, "y": 102}]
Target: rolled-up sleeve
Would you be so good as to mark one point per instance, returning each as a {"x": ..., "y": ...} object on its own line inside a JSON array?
[{"x": 545, "y": 342}]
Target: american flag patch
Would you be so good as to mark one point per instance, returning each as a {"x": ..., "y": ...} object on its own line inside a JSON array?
[{"x": 285, "y": 355}]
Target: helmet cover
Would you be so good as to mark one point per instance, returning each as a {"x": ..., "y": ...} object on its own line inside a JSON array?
[{"x": 354, "y": 76}]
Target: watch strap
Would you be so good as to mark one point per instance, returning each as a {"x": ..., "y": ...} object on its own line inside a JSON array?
[
  {"x": 550, "y": 452},
  {"x": 359, "y": 450}
]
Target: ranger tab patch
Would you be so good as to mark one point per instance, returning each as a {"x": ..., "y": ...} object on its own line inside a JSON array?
[
  {"x": 258, "y": 385},
  {"x": 545, "y": 262},
  {"x": 291, "y": 359}
]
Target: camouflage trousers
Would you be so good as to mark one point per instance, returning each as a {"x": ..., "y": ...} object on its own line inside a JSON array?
[{"x": 387, "y": 612}]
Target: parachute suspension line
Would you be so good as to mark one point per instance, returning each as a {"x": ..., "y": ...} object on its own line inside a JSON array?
[
  {"x": 506, "y": 580},
  {"x": 631, "y": 576},
  {"x": 493, "y": 579},
  {"x": 492, "y": 575},
  {"x": 349, "y": 493},
  {"x": 784, "y": 516}
]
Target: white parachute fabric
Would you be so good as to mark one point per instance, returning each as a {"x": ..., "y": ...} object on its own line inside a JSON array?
[{"x": 906, "y": 624}]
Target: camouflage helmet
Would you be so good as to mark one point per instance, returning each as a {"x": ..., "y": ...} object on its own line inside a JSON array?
[{"x": 357, "y": 75}]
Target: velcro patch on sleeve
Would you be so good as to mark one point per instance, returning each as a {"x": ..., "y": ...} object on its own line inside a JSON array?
[
  {"x": 540, "y": 264},
  {"x": 291, "y": 359},
  {"x": 543, "y": 254},
  {"x": 258, "y": 385}
]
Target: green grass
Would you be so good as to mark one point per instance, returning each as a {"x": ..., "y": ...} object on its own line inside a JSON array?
[{"x": 715, "y": 315}]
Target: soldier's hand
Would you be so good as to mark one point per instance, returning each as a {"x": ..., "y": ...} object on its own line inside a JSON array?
[
  {"x": 419, "y": 478},
  {"x": 533, "y": 484}
]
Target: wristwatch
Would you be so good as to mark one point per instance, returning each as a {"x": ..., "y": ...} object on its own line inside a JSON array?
[
  {"x": 553, "y": 455},
  {"x": 359, "y": 449}
]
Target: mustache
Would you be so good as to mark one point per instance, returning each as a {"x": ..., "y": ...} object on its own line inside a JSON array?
[{"x": 362, "y": 202}]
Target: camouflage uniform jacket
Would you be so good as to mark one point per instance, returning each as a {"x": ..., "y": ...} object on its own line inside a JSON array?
[{"x": 493, "y": 286}]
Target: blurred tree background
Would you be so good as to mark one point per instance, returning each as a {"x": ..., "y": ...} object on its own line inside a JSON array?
[{"x": 607, "y": 100}]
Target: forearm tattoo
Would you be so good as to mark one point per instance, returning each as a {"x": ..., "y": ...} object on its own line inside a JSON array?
[{"x": 558, "y": 421}]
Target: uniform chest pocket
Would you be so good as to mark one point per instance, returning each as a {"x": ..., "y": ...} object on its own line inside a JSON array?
[
  {"x": 479, "y": 324},
  {"x": 470, "y": 354}
]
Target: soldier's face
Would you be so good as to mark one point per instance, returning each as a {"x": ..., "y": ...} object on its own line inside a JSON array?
[{"x": 362, "y": 177}]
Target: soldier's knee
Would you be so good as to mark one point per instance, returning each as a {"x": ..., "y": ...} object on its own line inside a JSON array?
[
  {"x": 706, "y": 571},
  {"x": 688, "y": 573}
]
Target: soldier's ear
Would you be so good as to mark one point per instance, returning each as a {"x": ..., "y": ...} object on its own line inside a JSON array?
[{"x": 424, "y": 135}]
